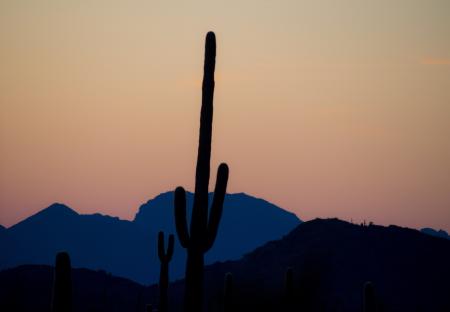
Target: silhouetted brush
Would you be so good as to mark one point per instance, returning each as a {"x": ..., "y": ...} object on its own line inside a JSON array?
[
  {"x": 228, "y": 293},
  {"x": 148, "y": 308},
  {"x": 369, "y": 298},
  {"x": 62, "y": 284},
  {"x": 203, "y": 230},
  {"x": 164, "y": 258}
]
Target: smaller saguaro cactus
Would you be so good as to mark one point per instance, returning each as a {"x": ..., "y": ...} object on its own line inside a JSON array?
[
  {"x": 62, "y": 284},
  {"x": 228, "y": 293},
  {"x": 369, "y": 297},
  {"x": 289, "y": 289},
  {"x": 164, "y": 258}
]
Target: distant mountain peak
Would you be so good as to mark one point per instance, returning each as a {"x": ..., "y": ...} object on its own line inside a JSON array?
[
  {"x": 58, "y": 208},
  {"x": 164, "y": 202},
  {"x": 54, "y": 212}
]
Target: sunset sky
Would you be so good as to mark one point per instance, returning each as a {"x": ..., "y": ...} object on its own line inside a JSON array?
[{"x": 325, "y": 108}]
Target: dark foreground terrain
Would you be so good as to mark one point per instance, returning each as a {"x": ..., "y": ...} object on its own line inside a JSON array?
[{"x": 331, "y": 260}]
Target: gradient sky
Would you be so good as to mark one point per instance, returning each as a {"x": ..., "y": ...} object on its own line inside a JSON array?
[{"x": 325, "y": 108}]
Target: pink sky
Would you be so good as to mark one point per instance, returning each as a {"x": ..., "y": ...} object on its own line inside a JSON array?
[{"x": 325, "y": 109}]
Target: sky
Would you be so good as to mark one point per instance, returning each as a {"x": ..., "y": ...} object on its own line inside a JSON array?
[{"x": 325, "y": 108}]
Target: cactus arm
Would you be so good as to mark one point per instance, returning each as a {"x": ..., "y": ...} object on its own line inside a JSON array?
[
  {"x": 161, "y": 253},
  {"x": 163, "y": 256},
  {"x": 217, "y": 205},
  {"x": 180, "y": 217}
]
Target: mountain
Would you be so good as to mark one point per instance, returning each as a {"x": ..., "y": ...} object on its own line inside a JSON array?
[
  {"x": 331, "y": 261},
  {"x": 128, "y": 248},
  {"x": 247, "y": 222},
  {"x": 93, "y": 241},
  {"x": 440, "y": 233}
]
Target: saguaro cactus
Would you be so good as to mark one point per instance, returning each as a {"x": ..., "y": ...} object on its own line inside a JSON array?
[
  {"x": 228, "y": 293},
  {"x": 164, "y": 258},
  {"x": 62, "y": 284},
  {"x": 369, "y": 298},
  {"x": 203, "y": 230}
]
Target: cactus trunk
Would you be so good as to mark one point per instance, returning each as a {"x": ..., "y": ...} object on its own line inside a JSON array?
[
  {"x": 163, "y": 287},
  {"x": 200, "y": 237},
  {"x": 194, "y": 281},
  {"x": 164, "y": 258}
]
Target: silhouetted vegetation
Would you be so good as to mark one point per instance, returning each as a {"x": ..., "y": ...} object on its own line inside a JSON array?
[
  {"x": 289, "y": 290},
  {"x": 330, "y": 259},
  {"x": 228, "y": 293},
  {"x": 369, "y": 298},
  {"x": 164, "y": 258},
  {"x": 203, "y": 230},
  {"x": 62, "y": 284}
]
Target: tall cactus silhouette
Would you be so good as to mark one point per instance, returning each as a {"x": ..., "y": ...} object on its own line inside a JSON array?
[
  {"x": 164, "y": 258},
  {"x": 62, "y": 284},
  {"x": 228, "y": 293},
  {"x": 200, "y": 237},
  {"x": 369, "y": 298}
]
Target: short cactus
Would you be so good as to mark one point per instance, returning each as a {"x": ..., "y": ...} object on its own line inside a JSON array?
[
  {"x": 164, "y": 258},
  {"x": 200, "y": 237},
  {"x": 228, "y": 293},
  {"x": 289, "y": 289},
  {"x": 62, "y": 284},
  {"x": 369, "y": 298}
]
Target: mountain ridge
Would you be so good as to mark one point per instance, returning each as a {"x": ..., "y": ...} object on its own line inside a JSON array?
[
  {"x": 52, "y": 211},
  {"x": 331, "y": 260},
  {"x": 99, "y": 241}
]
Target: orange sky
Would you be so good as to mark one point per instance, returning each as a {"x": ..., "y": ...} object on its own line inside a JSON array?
[{"x": 326, "y": 108}]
